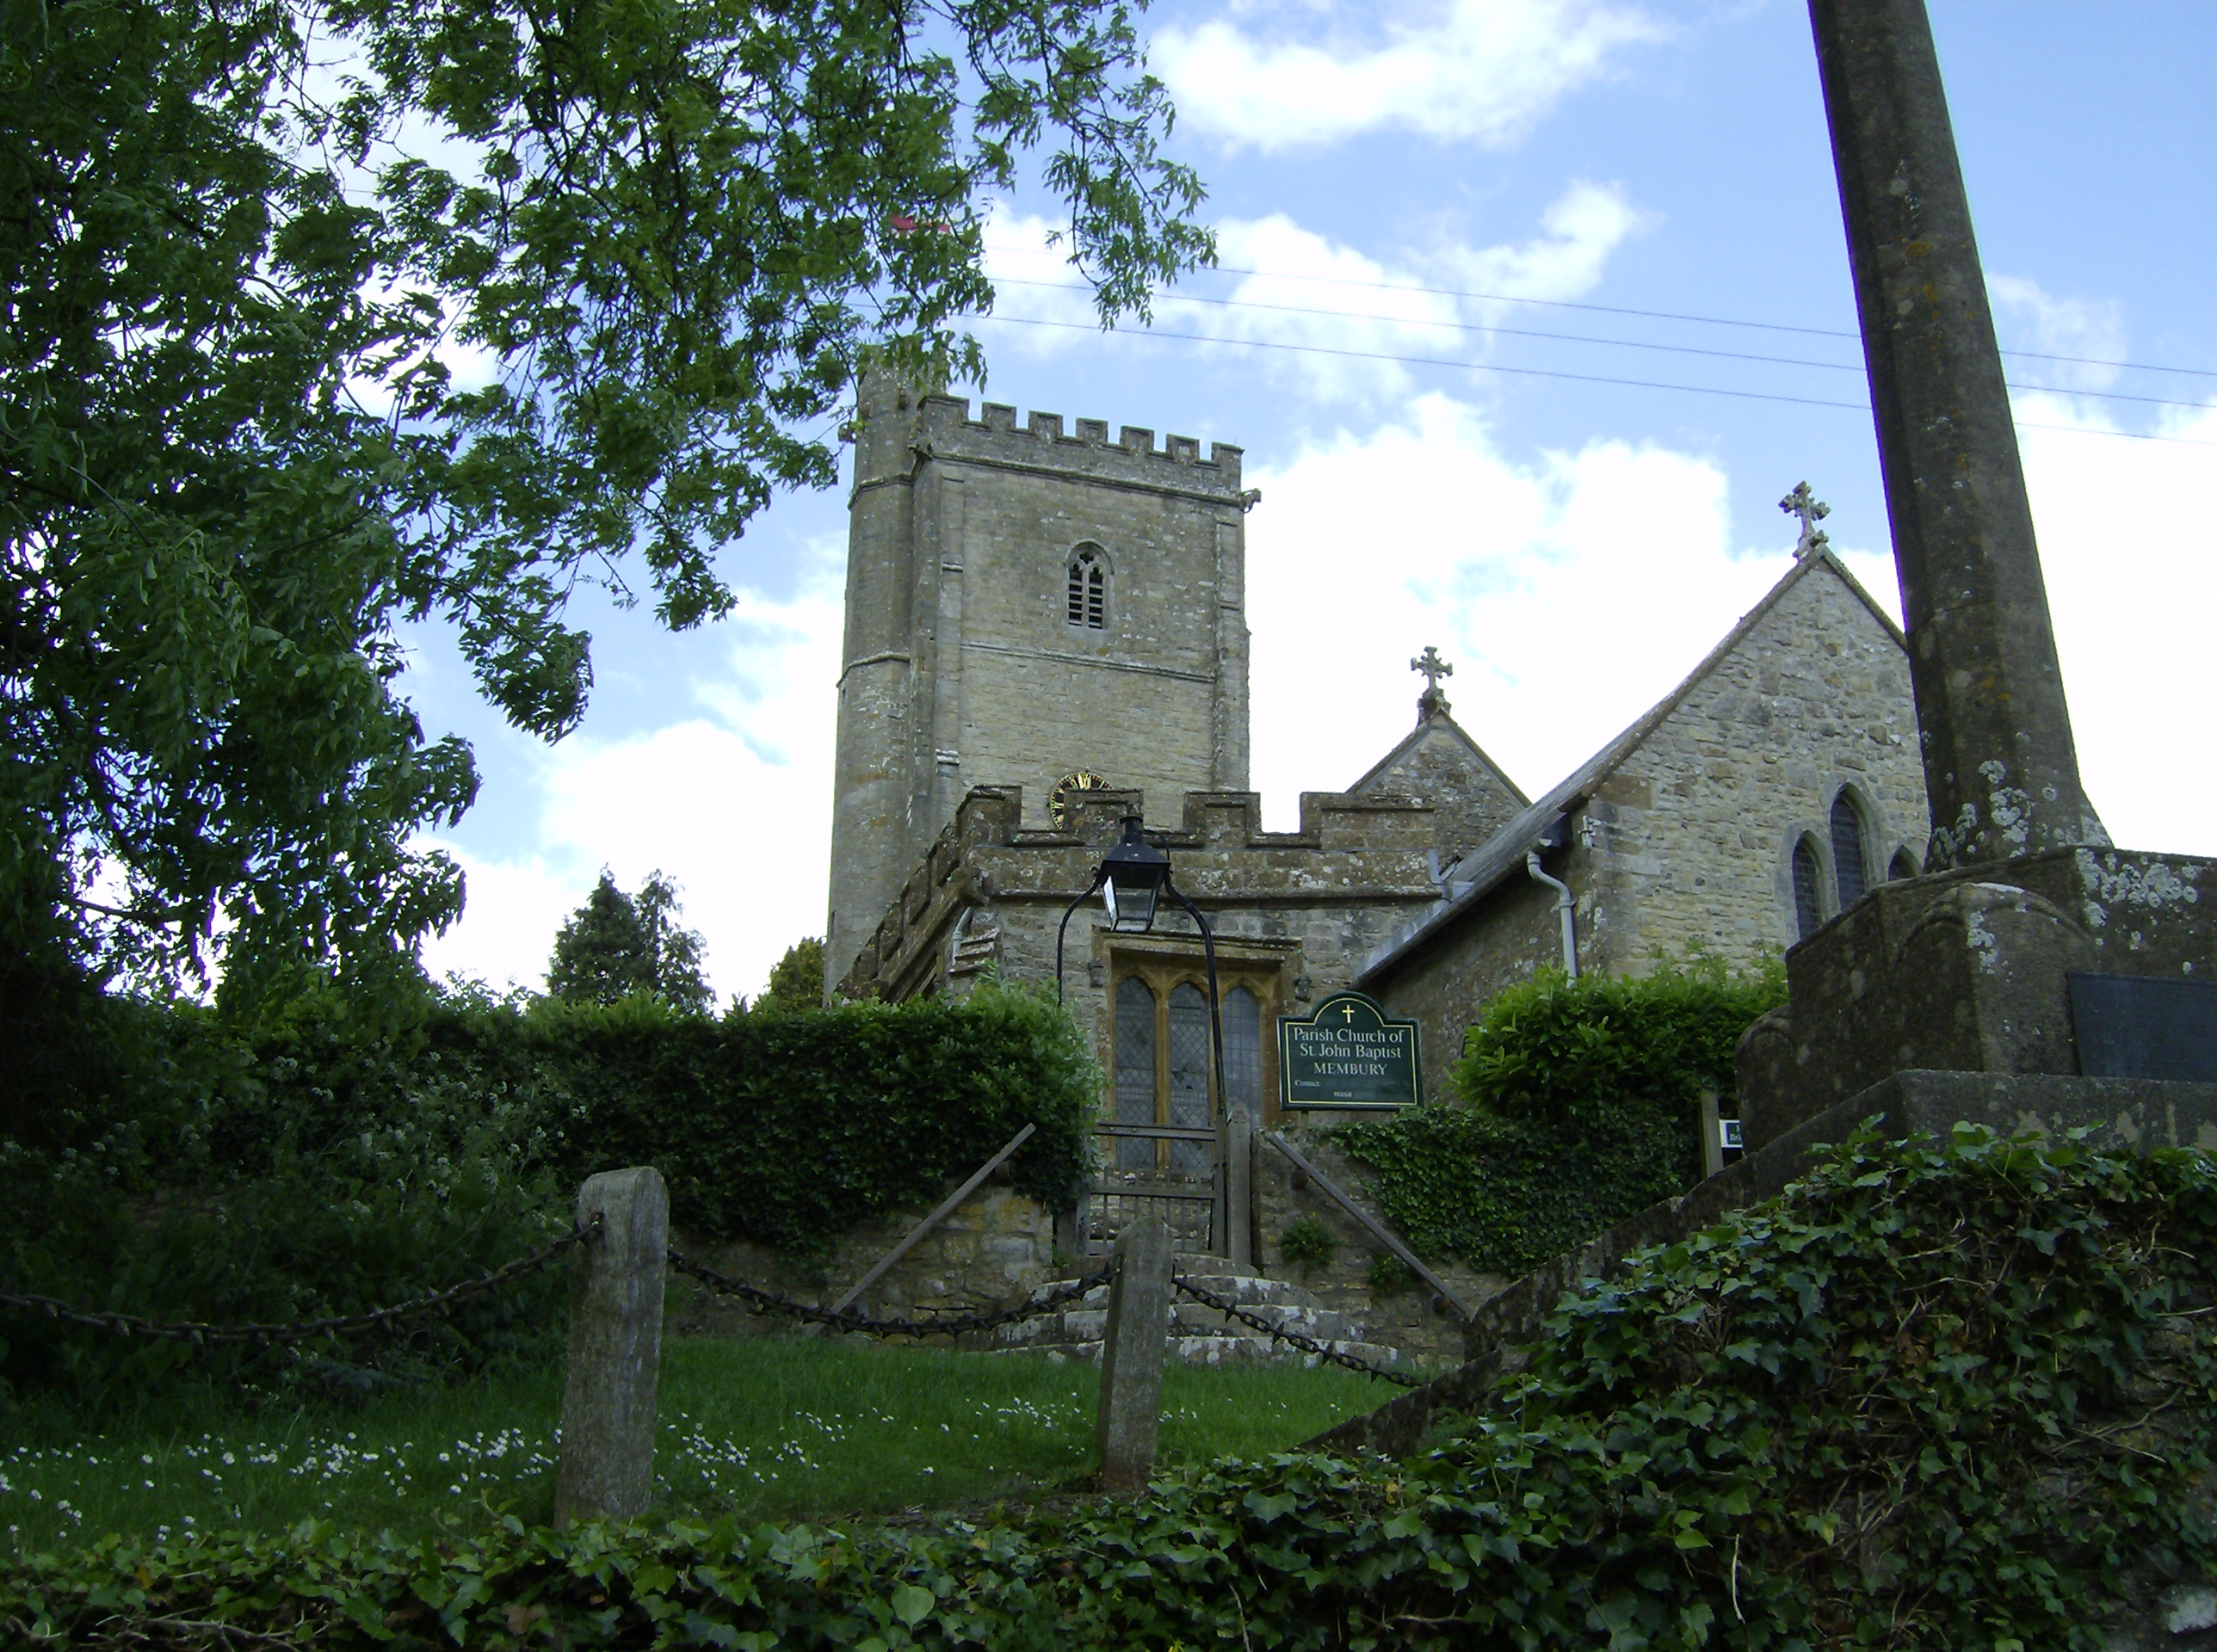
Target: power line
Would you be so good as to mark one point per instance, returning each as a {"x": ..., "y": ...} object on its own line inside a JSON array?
[
  {"x": 1460, "y": 326},
  {"x": 1581, "y": 338},
  {"x": 1434, "y": 362},
  {"x": 1645, "y": 315},
  {"x": 1538, "y": 372}
]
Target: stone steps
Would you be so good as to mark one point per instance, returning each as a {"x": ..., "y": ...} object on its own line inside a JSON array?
[{"x": 1199, "y": 1334}]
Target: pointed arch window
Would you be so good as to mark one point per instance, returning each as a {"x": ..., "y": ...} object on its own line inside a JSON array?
[
  {"x": 1087, "y": 590},
  {"x": 1808, "y": 887},
  {"x": 1903, "y": 866},
  {"x": 1135, "y": 1070},
  {"x": 1848, "y": 849}
]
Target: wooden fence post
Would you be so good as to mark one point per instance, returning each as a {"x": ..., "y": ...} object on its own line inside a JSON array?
[
  {"x": 1133, "y": 1345},
  {"x": 1239, "y": 1188},
  {"x": 607, "y": 1468}
]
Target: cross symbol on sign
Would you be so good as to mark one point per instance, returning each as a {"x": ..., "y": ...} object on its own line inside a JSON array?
[{"x": 1348, "y": 1010}]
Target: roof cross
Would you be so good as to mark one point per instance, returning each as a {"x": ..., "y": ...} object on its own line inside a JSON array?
[
  {"x": 1432, "y": 703},
  {"x": 1812, "y": 510}
]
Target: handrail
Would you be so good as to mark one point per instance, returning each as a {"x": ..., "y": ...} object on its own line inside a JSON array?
[
  {"x": 1379, "y": 1230},
  {"x": 932, "y": 1220}
]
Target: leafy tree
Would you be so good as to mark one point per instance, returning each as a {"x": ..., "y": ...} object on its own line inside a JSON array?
[
  {"x": 797, "y": 982},
  {"x": 616, "y": 944},
  {"x": 323, "y": 315}
]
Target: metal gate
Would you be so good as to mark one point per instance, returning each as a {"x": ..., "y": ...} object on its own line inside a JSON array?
[{"x": 1175, "y": 1173}]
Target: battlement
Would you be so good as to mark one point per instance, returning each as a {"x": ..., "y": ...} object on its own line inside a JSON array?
[
  {"x": 946, "y": 429},
  {"x": 1350, "y": 848}
]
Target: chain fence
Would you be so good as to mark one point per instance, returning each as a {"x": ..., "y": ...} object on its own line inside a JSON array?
[
  {"x": 438, "y": 1302},
  {"x": 954, "y": 1324},
  {"x": 965, "y": 1323},
  {"x": 1326, "y": 1352}
]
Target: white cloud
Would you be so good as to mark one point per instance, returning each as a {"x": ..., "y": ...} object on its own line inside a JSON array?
[
  {"x": 2027, "y": 318},
  {"x": 733, "y": 802},
  {"x": 1572, "y": 593},
  {"x": 1294, "y": 287},
  {"x": 2131, "y": 568},
  {"x": 1570, "y": 596},
  {"x": 1479, "y": 70}
]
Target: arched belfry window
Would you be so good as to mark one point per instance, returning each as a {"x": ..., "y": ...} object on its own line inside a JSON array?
[
  {"x": 1088, "y": 586},
  {"x": 1848, "y": 849},
  {"x": 1808, "y": 889}
]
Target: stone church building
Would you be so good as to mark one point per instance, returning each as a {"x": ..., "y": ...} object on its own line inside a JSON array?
[{"x": 1046, "y": 633}]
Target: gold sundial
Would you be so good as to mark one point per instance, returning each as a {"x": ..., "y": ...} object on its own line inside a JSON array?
[{"x": 1057, "y": 801}]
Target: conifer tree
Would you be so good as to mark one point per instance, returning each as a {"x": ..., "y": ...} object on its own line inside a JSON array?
[
  {"x": 617, "y": 944},
  {"x": 797, "y": 982}
]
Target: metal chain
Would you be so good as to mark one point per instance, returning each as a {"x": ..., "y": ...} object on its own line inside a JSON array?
[
  {"x": 302, "y": 1331},
  {"x": 937, "y": 1325},
  {"x": 1327, "y": 1352}
]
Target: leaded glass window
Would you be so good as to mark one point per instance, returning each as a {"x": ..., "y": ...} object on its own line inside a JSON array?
[
  {"x": 1189, "y": 1085},
  {"x": 1135, "y": 1070},
  {"x": 1808, "y": 884},
  {"x": 1848, "y": 850},
  {"x": 1243, "y": 1054}
]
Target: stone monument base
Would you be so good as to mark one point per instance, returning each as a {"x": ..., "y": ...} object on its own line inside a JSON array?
[{"x": 1968, "y": 972}]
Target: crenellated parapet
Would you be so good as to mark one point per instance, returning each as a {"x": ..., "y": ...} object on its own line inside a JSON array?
[
  {"x": 946, "y": 430},
  {"x": 987, "y": 866}
]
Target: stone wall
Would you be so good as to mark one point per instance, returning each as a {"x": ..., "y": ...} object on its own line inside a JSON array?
[
  {"x": 1440, "y": 765},
  {"x": 1694, "y": 832},
  {"x": 961, "y": 667},
  {"x": 1294, "y": 912},
  {"x": 1404, "y": 1319},
  {"x": 1680, "y": 835},
  {"x": 995, "y": 1248}
]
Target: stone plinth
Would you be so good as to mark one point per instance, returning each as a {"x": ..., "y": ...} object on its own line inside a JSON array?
[{"x": 1967, "y": 972}]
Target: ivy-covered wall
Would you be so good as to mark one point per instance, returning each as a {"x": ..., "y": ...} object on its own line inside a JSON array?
[{"x": 1576, "y": 1105}]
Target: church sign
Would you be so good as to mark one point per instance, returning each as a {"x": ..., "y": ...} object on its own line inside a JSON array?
[{"x": 1347, "y": 1054}]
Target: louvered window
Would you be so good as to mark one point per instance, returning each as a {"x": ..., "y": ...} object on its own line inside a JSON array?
[{"x": 1088, "y": 593}]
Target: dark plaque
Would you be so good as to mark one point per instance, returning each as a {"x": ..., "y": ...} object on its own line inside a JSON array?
[
  {"x": 2145, "y": 1026},
  {"x": 1347, "y": 1055}
]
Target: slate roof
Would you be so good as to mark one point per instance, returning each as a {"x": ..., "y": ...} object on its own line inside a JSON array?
[{"x": 1481, "y": 871}]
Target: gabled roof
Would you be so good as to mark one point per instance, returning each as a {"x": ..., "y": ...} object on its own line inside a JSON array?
[
  {"x": 1482, "y": 870},
  {"x": 1440, "y": 721}
]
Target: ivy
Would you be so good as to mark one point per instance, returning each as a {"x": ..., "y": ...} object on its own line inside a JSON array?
[
  {"x": 1953, "y": 1395},
  {"x": 1578, "y": 1111}
]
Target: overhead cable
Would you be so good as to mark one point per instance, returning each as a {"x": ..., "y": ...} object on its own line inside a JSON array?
[
  {"x": 1645, "y": 315},
  {"x": 1583, "y": 338},
  {"x": 1539, "y": 372}
]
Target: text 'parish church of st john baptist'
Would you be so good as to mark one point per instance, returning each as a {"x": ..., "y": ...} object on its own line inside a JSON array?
[{"x": 1046, "y": 633}]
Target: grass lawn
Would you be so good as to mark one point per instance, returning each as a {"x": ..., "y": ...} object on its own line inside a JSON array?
[{"x": 767, "y": 1428}]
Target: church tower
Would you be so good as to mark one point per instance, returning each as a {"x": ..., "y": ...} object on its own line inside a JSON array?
[{"x": 1025, "y": 606}]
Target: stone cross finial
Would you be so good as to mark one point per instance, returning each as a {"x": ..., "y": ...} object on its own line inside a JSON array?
[
  {"x": 1812, "y": 510},
  {"x": 1432, "y": 703}
]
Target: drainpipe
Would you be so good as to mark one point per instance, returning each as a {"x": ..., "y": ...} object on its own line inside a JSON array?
[{"x": 1563, "y": 910}]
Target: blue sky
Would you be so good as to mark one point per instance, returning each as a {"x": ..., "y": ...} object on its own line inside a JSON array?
[{"x": 1442, "y": 180}]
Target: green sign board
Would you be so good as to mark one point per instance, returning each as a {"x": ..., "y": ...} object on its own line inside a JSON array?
[{"x": 1347, "y": 1054}]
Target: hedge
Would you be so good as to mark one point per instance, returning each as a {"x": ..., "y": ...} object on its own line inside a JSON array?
[
  {"x": 1577, "y": 1109},
  {"x": 330, "y": 1157},
  {"x": 1950, "y": 1395}
]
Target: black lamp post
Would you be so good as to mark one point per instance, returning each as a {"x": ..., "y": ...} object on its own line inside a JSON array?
[{"x": 1132, "y": 879}]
